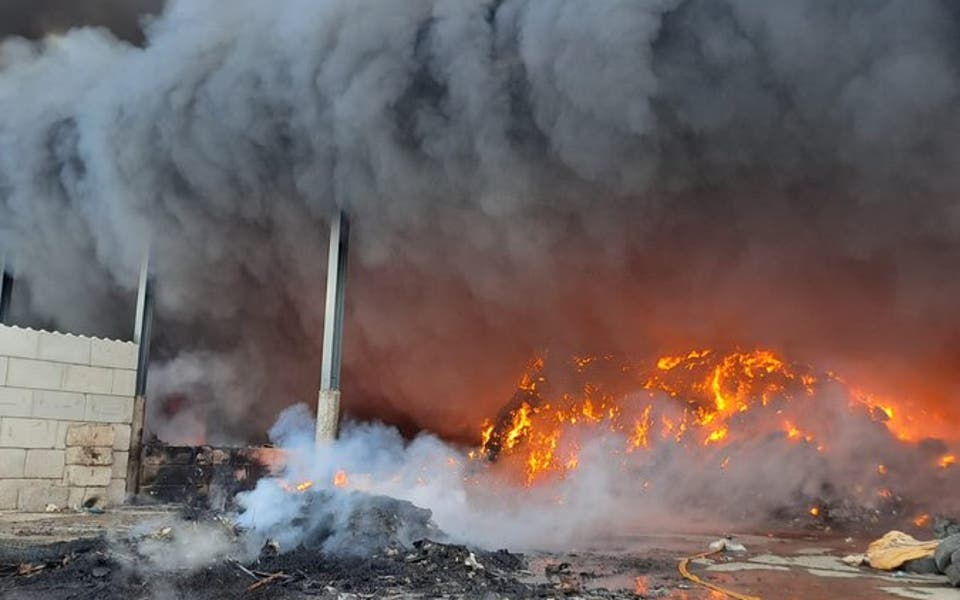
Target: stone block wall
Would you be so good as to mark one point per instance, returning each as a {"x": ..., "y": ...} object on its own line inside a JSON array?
[{"x": 66, "y": 413}]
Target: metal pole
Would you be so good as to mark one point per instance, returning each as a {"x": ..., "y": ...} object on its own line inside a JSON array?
[
  {"x": 328, "y": 404},
  {"x": 6, "y": 287},
  {"x": 142, "y": 331}
]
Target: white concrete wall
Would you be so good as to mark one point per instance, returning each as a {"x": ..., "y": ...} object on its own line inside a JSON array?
[{"x": 66, "y": 408}]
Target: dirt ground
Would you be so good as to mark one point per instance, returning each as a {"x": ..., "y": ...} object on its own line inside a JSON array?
[{"x": 775, "y": 566}]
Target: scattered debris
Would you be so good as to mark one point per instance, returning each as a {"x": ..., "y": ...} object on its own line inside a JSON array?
[
  {"x": 895, "y": 548},
  {"x": 266, "y": 581},
  {"x": 163, "y": 533},
  {"x": 945, "y": 551},
  {"x": 856, "y": 560},
  {"x": 727, "y": 544},
  {"x": 944, "y": 527}
]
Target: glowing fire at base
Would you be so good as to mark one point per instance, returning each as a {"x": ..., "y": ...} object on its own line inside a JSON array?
[
  {"x": 299, "y": 488},
  {"x": 341, "y": 479},
  {"x": 699, "y": 398}
]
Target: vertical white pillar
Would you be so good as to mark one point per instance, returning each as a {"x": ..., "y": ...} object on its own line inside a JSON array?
[{"x": 328, "y": 403}]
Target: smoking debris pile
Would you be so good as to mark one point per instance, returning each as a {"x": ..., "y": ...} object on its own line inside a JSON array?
[{"x": 205, "y": 555}]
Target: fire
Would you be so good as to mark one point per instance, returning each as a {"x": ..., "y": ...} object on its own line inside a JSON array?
[
  {"x": 697, "y": 398},
  {"x": 815, "y": 511},
  {"x": 341, "y": 479},
  {"x": 794, "y": 433},
  {"x": 642, "y": 585},
  {"x": 922, "y": 520},
  {"x": 947, "y": 461},
  {"x": 295, "y": 489},
  {"x": 716, "y": 436},
  {"x": 641, "y": 431}
]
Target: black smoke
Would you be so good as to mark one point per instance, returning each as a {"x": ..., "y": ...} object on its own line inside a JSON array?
[{"x": 589, "y": 177}]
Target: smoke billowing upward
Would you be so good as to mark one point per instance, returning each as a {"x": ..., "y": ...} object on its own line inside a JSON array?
[{"x": 602, "y": 176}]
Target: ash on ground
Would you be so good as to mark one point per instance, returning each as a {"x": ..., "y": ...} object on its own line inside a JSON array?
[{"x": 383, "y": 549}]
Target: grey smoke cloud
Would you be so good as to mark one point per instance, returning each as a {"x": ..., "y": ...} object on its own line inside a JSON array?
[{"x": 603, "y": 176}]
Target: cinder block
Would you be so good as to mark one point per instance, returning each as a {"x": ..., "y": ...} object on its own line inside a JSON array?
[
  {"x": 121, "y": 436},
  {"x": 34, "y": 497},
  {"x": 117, "y": 492},
  {"x": 89, "y": 456},
  {"x": 124, "y": 383},
  {"x": 44, "y": 464},
  {"x": 62, "y": 427},
  {"x": 34, "y": 374},
  {"x": 75, "y": 497},
  {"x": 120, "y": 460},
  {"x": 28, "y": 433},
  {"x": 18, "y": 342},
  {"x": 95, "y": 496},
  {"x": 15, "y": 402},
  {"x": 89, "y": 380},
  {"x": 109, "y": 409},
  {"x": 114, "y": 354},
  {"x": 11, "y": 463},
  {"x": 58, "y": 405},
  {"x": 90, "y": 435},
  {"x": 78, "y": 475},
  {"x": 3, "y": 370},
  {"x": 9, "y": 490},
  {"x": 64, "y": 348}
]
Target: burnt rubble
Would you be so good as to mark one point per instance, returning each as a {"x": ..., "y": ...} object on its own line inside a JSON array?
[
  {"x": 349, "y": 545},
  {"x": 352, "y": 523},
  {"x": 200, "y": 475},
  {"x": 377, "y": 554}
]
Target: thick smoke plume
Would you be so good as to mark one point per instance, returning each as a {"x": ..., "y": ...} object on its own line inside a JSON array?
[{"x": 598, "y": 176}]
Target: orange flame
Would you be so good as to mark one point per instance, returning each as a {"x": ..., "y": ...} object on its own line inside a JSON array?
[
  {"x": 295, "y": 489},
  {"x": 341, "y": 479},
  {"x": 642, "y": 585},
  {"x": 709, "y": 400}
]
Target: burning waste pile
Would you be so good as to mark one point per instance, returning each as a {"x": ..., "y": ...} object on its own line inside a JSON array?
[
  {"x": 697, "y": 440},
  {"x": 585, "y": 450},
  {"x": 742, "y": 436}
]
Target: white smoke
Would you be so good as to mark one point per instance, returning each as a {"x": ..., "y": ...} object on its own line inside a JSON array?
[{"x": 745, "y": 484}]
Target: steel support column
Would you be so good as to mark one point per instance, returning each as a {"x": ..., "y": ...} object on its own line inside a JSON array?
[
  {"x": 6, "y": 287},
  {"x": 328, "y": 404},
  {"x": 142, "y": 331}
]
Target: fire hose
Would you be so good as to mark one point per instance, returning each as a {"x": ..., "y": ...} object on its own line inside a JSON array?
[{"x": 684, "y": 563}]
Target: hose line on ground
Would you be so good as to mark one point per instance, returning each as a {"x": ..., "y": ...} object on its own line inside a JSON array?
[{"x": 684, "y": 563}]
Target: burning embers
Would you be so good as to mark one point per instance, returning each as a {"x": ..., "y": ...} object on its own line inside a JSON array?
[
  {"x": 340, "y": 480},
  {"x": 702, "y": 401}
]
